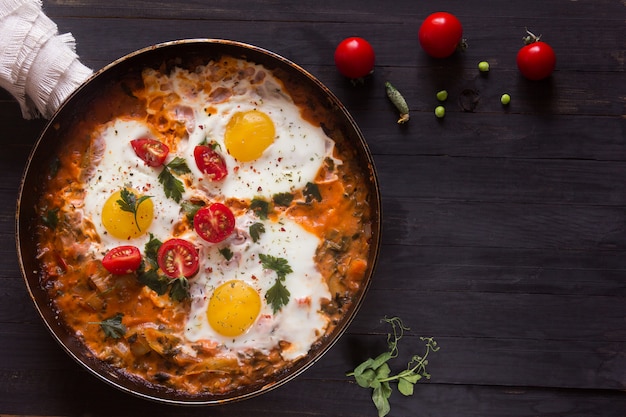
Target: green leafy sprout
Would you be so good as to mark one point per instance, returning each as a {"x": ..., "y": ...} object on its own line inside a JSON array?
[{"x": 376, "y": 373}]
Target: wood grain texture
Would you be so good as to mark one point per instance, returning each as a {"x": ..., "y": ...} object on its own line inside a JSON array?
[{"x": 504, "y": 232}]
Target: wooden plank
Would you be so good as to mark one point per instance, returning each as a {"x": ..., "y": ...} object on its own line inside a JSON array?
[
  {"x": 313, "y": 43},
  {"x": 304, "y": 397}
]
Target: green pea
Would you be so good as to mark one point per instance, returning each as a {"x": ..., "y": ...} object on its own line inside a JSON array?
[
  {"x": 483, "y": 66},
  {"x": 505, "y": 99},
  {"x": 440, "y": 111},
  {"x": 442, "y": 95}
]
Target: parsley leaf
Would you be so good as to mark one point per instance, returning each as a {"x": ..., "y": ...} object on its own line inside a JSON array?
[
  {"x": 112, "y": 327},
  {"x": 376, "y": 373},
  {"x": 190, "y": 209},
  {"x": 55, "y": 164},
  {"x": 226, "y": 253},
  {"x": 179, "y": 166},
  {"x": 179, "y": 289},
  {"x": 260, "y": 207},
  {"x": 278, "y": 294},
  {"x": 150, "y": 249},
  {"x": 51, "y": 218},
  {"x": 256, "y": 230},
  {"x": 172, "y": 186},
  {"x": 282, "y": 199},
  {"x": 312, "y": 192},
  {"x": 279, "y": 265},
  {"x": 151, "y": 279},
  {"x": 130, "y": 203}
]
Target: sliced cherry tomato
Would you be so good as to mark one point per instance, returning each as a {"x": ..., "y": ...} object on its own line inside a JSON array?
[
  {"x": 122, "y": 260},
  {"x": 536, "y": 60},
  {"x": 210, "y": 162},
  {"x": 440, "y": 34},
  {"x": 214, "y": 223},
  {"x": 178, "y": 258},
  {"x": 355, "y": 57},
  {"x": 151, "y": 151}
]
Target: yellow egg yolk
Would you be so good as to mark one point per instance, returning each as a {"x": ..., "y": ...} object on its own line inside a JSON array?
[
  {"x": 248, "y": 134},
  {"x": 127, "y": 223},
  {"x": 233, "y": 308}
]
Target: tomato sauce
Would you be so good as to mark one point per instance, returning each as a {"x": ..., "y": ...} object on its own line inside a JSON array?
[{"x": 152, "y": 347}]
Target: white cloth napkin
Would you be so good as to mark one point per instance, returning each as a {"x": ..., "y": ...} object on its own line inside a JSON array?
[{"x": 38, "y": 66}]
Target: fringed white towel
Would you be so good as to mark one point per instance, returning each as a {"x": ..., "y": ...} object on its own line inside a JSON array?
[{"x": 38, "y": 66}]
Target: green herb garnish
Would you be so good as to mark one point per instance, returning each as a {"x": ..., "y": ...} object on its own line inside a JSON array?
[
  {"x": 112, "y": 327},
  {"x": 150, "y": 249},
  {"x": 226, "y": 253},
  {"x": 130, "y": 203},
  {"x": 179, "y": 289},
  {"x": 190, "y": 209},
  {"x": 312, "y": 192},
  {"x": 376, "y": 374},
  {"x": 256, "y": 229},
  {"x": 282, "y": 199},
  {"x": 55, "y": 164},
  {"x": 260, "y": 207},
  {"x": 172, "y": 186},
  {"x": 51, "y": 218},
  {"x": 179, "y": 166},
  {"x": 278, "y": 294},
  {"x": 151, "y": 279}
]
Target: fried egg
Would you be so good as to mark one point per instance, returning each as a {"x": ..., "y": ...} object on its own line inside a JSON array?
[
  {"x": 267, "y": 146},
  {"x": 229, "y": 304},
  {"x": 120, "y": 168}
]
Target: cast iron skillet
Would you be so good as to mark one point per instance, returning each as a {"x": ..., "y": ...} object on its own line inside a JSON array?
[{"x": 51, "y": 142}]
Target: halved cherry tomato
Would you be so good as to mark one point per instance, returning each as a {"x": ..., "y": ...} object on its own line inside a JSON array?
[
  {"x": 210, "y": 162},
  {"x": 214, "y": 223},
  {"x": 178, "y": 258},
  {"x": 355, "y": 57},
  {"x": 440, "y": 34},
  {"x": 151, "y": 151},
  {"x": 122, "y": 260}
]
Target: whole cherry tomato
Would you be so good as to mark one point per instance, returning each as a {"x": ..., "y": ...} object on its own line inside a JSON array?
[
  {"x": 440, "y": 34},
  {"x": 355, "y": 57},
  {"x": 536, "y": 60}
]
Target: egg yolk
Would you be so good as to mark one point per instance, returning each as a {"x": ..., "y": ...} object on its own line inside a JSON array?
[
  {"x": 124, "y": 224},
  {"x": 248, "y": 134},
  {"x": 233, "y": 308}
]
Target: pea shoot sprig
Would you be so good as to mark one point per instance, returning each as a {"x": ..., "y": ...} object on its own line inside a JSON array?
[{"x": 376, "y": 373}]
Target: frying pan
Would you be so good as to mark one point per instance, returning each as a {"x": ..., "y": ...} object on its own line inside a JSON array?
[{"x": 50, "y": 143}]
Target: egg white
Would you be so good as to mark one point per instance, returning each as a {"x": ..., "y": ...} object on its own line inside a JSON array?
[
  {"x": 284, "y": 239},
  {"x": 293, "y": 160},
  {"x": 120, "y": 167}
]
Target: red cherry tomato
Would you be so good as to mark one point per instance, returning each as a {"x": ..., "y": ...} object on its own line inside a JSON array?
[
  {"x": 151, "y": 151},
  {"x": 122, "y": 260},
  {"x": 440, "y": 34},
  {"x": 210, "y": 162},
  {"x": 355, "y": 57},
  {"x": 178, "y": 258},
  {"x": 536, "y": 60},
  {"x": 214, "y": 223}
]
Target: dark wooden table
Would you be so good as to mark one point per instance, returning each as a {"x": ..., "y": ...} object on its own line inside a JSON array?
[{"x": 504, "y": 229}]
